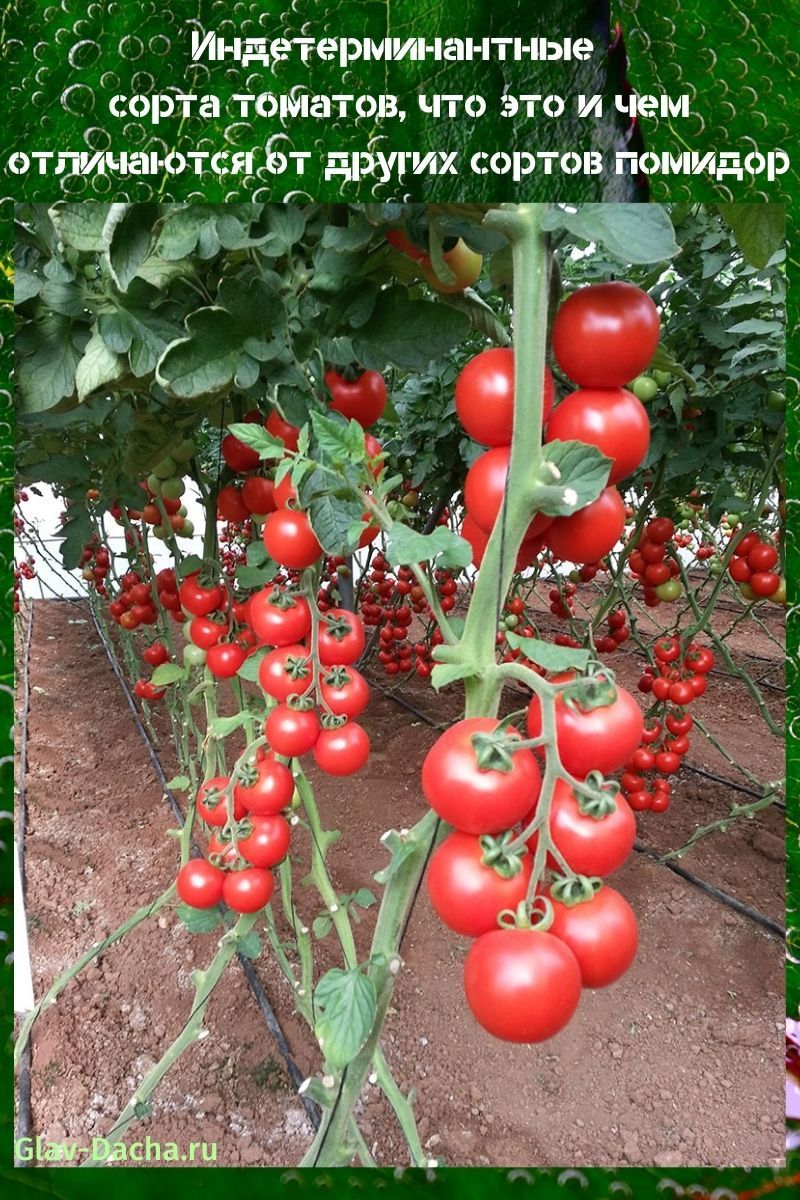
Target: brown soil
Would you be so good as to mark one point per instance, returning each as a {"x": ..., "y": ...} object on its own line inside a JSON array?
[{"x": 678, "y": 1064}]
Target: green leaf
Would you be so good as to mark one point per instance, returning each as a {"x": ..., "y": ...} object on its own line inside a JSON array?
[
  {"x": 633, "y": 233},
  {"x": 183, "y": 228},
  {"x": 583, "y": 473},
  {"x": 178, "y": 783},
  {"x": 47, "y": 376},
  {"x": 75, "y": 533},
  {"x": 364, "y": 898},
  {"x": 255, "y": 577},
  {"x": 82, "y": 226},
  {"x": 408, "y": 333},
  {"x": 338, "y": 439},
  {"x": 135, "y": 328},
  {"x": 67, "y": 297},
  {"x": 222, "y": 727},
  {"x": 446, "y": 673},
  {"x": 345, "y": 1002},
  {"x": 129, "y": 231},
  {"x": 257, "y": 438},
  {"x": 209, "y": 360},
  {"x": 198, "y": 920},
  {"x": 168, "y": 673},
  {"x": 322, "y": 926},
  {"x": 286, "y": 225},
  {"x": 249, "y": 668},
  {"x": 548, "y": 656},
  {"x": 26, "y": 285},
  {"x": 249, "y": 945},
  {"x": 759, "y": 229},
  {"x": 404, "y": 546},
  {"x": 333, "y": 520},
  {"x": 98, "y": 367}
]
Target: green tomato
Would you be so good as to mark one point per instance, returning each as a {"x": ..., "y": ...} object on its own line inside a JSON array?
[
  {"x": 187, "y": 625},
  {"x": 154, "y": 483},
  {"x": 511, "y": 621},
  {"x": 776, "y": 401},
  {"x": 173, "y": 488},
  {"x": 669, "y": 591},
  {"x": 165, "y": 468},
  {"x": 183, "y": 451},
  {"x": 187, "y": 531},
  {"x": 193, "y": 656},
  {"x": 644, "y": 387},
  {"x": 733, "y": 520},
  {"x": 662, "y": 378},
  {"x": 715, "y": 568},
  {"x": 159, "y": 532}
]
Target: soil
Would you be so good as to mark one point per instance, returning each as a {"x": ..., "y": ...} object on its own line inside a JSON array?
[{"x": 680, "y": 1063}]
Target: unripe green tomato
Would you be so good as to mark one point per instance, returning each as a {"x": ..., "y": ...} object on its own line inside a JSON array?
[
  {"x": 183, "y": 511},
  {"x": 779, "y": 595},
  {"x": 410, "y": 499},
  {"x": 575, "y": 576},
  {"x": 715, "y": 568},
  {"x": 733, "y": 520},
  {"x": 776, "y": 401},
  {"x": 669, "y": 591},
  {"x": 344, "y": 572},
  {"x": 684, "y": 524},
  {"x": 165, "y": 468},
  {"x": 662, "y": 378},
  {"x": 644, "y": 387},
  {"x": 187, "y": 625},
  {"x": 183, "y": 451},
  {"x": 502, "y": 627},
  {"x": 154, "y": 483},
  {"x": 173, "y": 488},
  {"x": 159, "y": 532},
  {"x": 511, "y": 621},
  {"x": 747, "y": 591},
  {"x": 187, "y": 531},
  {"x": 193, "y": 656},
  {"x": 396, "y": 509}
]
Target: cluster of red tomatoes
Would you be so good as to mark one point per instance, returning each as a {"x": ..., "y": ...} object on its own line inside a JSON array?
[
  {"x": 249, "y": 835},
  {"x": 522, "y": 979},
  {"x": 677, "y": 680},
  {"x": 390, "y": 601},
  {"x": 22, "y": 570},
  {"x": 603, "y": 335},
  {"x": 95, "y": 561},
  {"x": 649, "y": 563},
  {"x": 753, "y": 568}
]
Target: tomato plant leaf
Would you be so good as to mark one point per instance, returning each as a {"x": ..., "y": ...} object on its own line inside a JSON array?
[
  {"x": 82, "y": 226},
  {"x": 98, "y": 367},
  {"x": 345, "y": 1002},
  {"x": 178, "y": 783},
  {"x": 198, "y": 920},
  {"x": 129, "y": 232},
  {"x": 249, "y": 668},
  {"x": 633, "y": 233},
  {"x": 408, "y": 333},
  {"x": 546, "y": 655},
  {"x": 249, "y": 945},
  {"x": 446, "y": 673},
  {"x": 221, "y": 727},
  {"x": 759, "y": 229},
  {"x": 75, "y": 533},
  {"x": 322, "y": 926},
  {"x": 447, "y": 549},
  {"x": 46, "y": 376},
  {"x": 581, "y": 473},
  {"x": 256, "y": 436},
  {"x": 333, "y": 521},
  {"x": 168, "y": 673}
]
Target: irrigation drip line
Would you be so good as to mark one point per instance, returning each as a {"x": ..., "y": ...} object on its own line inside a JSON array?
[
  {"x": 24, "y": 1086},
  {"x": 735, "y": 787},
  {"x": 295, "y": 1074},
  {"x": 641, "y": 848},
  {"x": 717, "y": 893}
]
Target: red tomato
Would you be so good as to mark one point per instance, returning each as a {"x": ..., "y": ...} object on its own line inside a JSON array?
[
  {"x": 660, "y": 529},
  {"x": 266, "y": 789},
  {"x": 290, "y": 540},
  {"x": 268, "y": 843},
  {"x": 197, "y": 599},
  {"x": 237, "y": 455},
  {"x": 205, "y": 633},
  {"x": 602, "y": 933},
  {"x": 362, "y": 399},
  {"x": 605, "y": 334},
  {"x": 342, "y": 751},
  {"x": 589, "y": 534},
  {"x": 156, "y": 654},
  {"x": 466, "y": 894},
  {"x": 522, "y": 985},
  {"x": 225, "y": 658},
  {"x": 611, "y": 419},
  {"x": 279, "y": 428},
  {"x": 259, "y": 495},
  {"x": 291, "y": 731},
  {"x": 764, "y": 583},
  {"x": 340, "y": 638},
  {"x": 285, "y": 672},
  {"x": 249, "y": 890},
  {"x": 231, "y": 505},
  {"x": 473, "y": 799},
  {"x": 211, "y": 803},
  {"x": 345, "y": 692},
  {"x": 279, "y": 618},
  {"x": 600, "y": 739},
  {"x": 591, "y": 845},
  {"x": 762, "y": 557},
  {"x": 485, "y": 396},
  {"x": 484, "y": 489},
  {"x": 199, "y": 884}
]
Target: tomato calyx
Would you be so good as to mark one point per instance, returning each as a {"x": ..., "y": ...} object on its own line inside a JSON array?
[
  {"x": 297, "y": 668},
  {"x": 495, "y": 751},
  {"x": 536, "y": 914},
  {"x": 575, "y": 889},
  {"x": 332, "y": 720},
  {"x": 247, "y": 775},
  {"x": 499, "y": 857},
  {"x": 597, "y": 689},
  {"x": 302, "y": 703},
  {"x": 337, "y": 677},
  {"x": 284, "y": 598},
  {"x": 338, "y": 627},
  {"x": 597, "y": 797}
]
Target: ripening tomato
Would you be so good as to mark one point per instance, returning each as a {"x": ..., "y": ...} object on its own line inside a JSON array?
[
  {"x": 605, "y": 334},
  {"x": 286, "y": 671},
  {"x": 522, "y": 985},
  {"x": 291, "y": 732},
  {"x": 264, "y": 789},
  {"x": 598, "y": 739},
  {"x": 602, "y": 933},
  {"x": 249, "y": 890},
  {"x": 199, "y": 884},
  {"x": 342, "y": 751},
  {"x": 589, "y": 534},
  {"x": 591, "y": 845},
  {"x": 484, "y": 490},
  {"x": 290, "y": 540},
  {"x": 237, "y": 455},
  {"x": 268, "y": 842},
  {"x": 611, "y": 419},
  {"x": 484, "y": 396},
  {"x": 466, "y": 893},
  {"x": 466, "y": 265},
  {"x": 362, "y": 399},
  {"x": 345, "y": 692},
  {"x": 279, "y": 618},
  {"x": 258, "y": 495},
  {"x": 473, "y": 798}
]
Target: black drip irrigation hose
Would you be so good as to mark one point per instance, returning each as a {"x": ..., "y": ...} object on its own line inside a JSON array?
[
  {"x": 766, "y": 922},
  {"x": 24, "y": 1116},
  {"x": 295, "y": 1074}
]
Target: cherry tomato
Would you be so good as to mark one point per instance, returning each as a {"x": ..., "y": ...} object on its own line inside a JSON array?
[
  {"x": 362, "y": 399},
  {"x": 231, "y": 505},
  {"x": 345, "y": 692},
  {"x": 291, "y": 732},
  {"x": 249, "y": 890},
  {"x": 342, "y": 751},
  {"x": 259, "y": 495},
  {"x": 600, "y": 739},
  {"x": 602, "y": 933},
  {"x": 466, "y": 894},
  {"x": 286, "y": 672},
  {"x": 266, "y": 789},
  {"x": 290, "y": 540},
  {"x": 340, "y": 638},
  {"x": 268, "y": 843},
  {"x": 205, "y": 633},
  {"x": 484, "y": 491},
  {"x": 199, "y": 884},
  {"x": 589, "y": 534},
  {"x": 197, "y": 599},
  {"x": 279, "y": 428},
  {"x": 279, "y": 618},
  {"x": 237, "y": 455},
  {"x": 211, "y": 803},
  {"x": 591, "y": 845},
  {"x": 225, "y": 659},
  {"x": 605, "y": 334}
]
